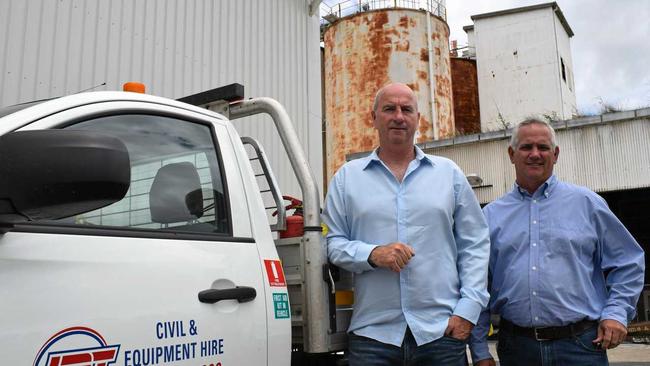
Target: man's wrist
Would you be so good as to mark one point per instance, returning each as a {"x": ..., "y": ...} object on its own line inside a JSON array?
[
  {"x": 614, "y": 313},
  {"x": 370, "y": 261}
]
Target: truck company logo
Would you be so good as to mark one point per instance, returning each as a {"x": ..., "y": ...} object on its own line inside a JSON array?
[{"x": 76, "y": 346}]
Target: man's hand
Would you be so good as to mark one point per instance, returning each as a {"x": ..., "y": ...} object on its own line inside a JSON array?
[
  {"x": 458, "y": 328},
  {"x": 486, "y": 362},
  {"x": 610, "y": 334},
  {"x": 393, "y": 256}
]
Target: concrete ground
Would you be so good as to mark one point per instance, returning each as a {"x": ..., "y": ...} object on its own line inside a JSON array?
[{"x": 627, "y": 354}]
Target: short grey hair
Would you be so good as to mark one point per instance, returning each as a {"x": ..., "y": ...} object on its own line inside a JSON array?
[{"x": 514, "y": 139}]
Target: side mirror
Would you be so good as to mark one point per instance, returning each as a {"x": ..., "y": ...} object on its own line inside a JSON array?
[{"x": 52, "y": 174}]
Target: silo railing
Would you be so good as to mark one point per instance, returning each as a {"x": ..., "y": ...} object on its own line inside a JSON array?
[{"x": 330, "y": 11}]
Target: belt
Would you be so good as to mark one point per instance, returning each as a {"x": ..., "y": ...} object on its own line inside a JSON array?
[{"x": 548, "y": 333}]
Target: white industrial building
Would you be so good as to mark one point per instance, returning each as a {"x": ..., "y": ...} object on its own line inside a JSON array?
[
  {"x": 176, "y": 48},
  {"x": 523, "y": 59}
]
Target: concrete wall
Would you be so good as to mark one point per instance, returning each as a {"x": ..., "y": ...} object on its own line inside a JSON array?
[
  {"x": 567, "y": 85},
  {"x": 518, "y": 56},
  {"x": 471, "y": 43}
]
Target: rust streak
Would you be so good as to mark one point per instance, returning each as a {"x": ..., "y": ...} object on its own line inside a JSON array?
[
  {"x": 404, "y": 21},
  {"x": 424, "y": 55},
  {"x": 424, "y": 128},
  {"x": 414, "y": 86},
  {"x": 403, "y": 46}
]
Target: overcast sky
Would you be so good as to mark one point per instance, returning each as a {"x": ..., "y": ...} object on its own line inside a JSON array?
[{"x": 610, "y": 48}]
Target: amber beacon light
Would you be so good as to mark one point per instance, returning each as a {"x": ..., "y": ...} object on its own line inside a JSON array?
[{"x": 134, "y": 87}]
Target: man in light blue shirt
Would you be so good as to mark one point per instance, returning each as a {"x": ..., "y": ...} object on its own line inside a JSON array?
[
  {"x": 410, "y": 228},
  {"x": 565, "y": 273}
]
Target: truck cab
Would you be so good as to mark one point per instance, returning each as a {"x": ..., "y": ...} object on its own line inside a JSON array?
[{"x": 133, "y": 232}]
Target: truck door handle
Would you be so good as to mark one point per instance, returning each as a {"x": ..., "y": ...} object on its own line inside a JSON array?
[{"x": 239, "y": 293}]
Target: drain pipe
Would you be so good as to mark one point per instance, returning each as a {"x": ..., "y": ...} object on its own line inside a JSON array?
[{"x": 432, "y": 87}]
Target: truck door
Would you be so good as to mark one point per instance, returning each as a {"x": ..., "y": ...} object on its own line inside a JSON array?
[{"x": 168, "y": 275}]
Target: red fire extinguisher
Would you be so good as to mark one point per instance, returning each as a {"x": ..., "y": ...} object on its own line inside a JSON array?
[{"x": 295, "y": 222}]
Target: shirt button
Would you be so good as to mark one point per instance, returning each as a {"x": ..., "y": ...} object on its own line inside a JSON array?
[
  {"x": 534, "y": 221},
  {"x": 534, "y": 268},
  {"x": 536, "y": 318},
  {"x": 534, "y": 244},
  {"x": 534, "y": 201},
  {"x": 534, "y": 293}
]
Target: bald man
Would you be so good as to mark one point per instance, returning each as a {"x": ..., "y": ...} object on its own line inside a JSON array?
[{"x": 409, "y": 227}]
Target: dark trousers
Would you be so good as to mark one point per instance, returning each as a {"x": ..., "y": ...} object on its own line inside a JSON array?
[
  {"x": 445, "y": 351},
  {"x": 573, "y": 351}
]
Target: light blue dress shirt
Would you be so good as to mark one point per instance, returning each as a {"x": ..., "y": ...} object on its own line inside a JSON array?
[
  {"x": 435, "y": 211},
  {"x": 549, "y": 255}
]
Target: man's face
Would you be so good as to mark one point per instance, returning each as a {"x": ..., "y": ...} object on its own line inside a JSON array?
[
  {"x": 534, "y": 156},
  {"x": 396, "y": 117}
]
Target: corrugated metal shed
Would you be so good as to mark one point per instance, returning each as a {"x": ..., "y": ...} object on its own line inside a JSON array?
[
  {"x": 603, "y": 153},
  {"x": 175, "y": 47}
]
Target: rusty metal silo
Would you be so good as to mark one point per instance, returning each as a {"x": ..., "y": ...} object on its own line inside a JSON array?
[{"x": 371, "y": 48}]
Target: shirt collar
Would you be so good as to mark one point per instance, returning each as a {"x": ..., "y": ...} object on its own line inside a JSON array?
[
  {"x": 374, "y": 157},
  {"x": 546, "y": 189}
]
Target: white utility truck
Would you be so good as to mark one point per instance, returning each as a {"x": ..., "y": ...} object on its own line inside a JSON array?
[{"x": 134, "y": 231}]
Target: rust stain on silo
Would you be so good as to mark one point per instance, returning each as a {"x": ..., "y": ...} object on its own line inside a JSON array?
[
  {"x": 443, "y": 86},
  {"x": 424, "y": 55},
  {"x": 423, "y": 128},
  {"x": 402, "y": 46},
  {"x": 365, "y": 52},
  {"x": 444, "y": 93}
]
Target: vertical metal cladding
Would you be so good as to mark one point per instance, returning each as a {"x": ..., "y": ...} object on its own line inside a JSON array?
[
  {"x": 465, "y": 87},
  {"x": 176, "y": 48},
  {"x": 366, "y": 51}
]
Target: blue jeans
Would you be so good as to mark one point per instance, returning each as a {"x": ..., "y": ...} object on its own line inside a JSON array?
[
  {"x": 445, "y": 351},
  {"x": 575, "y": 351}
]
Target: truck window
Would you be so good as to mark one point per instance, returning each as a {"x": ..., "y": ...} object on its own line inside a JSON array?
[{"x": 176, "y": 180}]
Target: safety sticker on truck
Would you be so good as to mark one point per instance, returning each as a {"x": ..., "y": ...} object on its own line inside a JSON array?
[
  {"x": 89, "y": 348},
  {"x": 281, "y": 305},
  {"x": 274, "y": 273}
]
